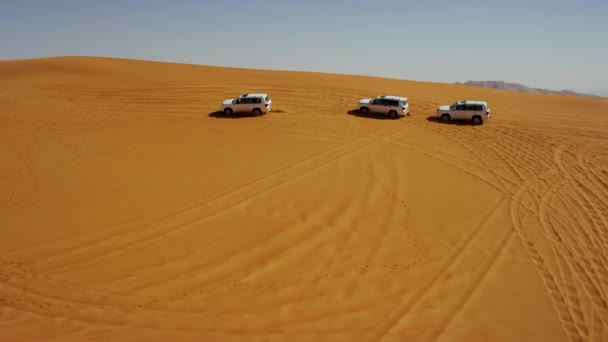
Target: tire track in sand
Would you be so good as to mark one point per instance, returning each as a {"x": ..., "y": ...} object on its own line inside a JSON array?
[
  {"x": 372, "y": 139},
  {"x": 385, "y": 328},
  {"x": 470, "y": 289},
  {"x": 206, "y": 209},
  {"x": 571, "y": 232},
  {"x": 518, "y": 214},
  {"x": 400, "y": 203}
]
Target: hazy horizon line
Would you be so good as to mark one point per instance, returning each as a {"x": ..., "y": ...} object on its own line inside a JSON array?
[{"x": 593, "y": 92}]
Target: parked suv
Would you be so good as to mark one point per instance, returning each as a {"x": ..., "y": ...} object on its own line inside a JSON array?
[
  {"x": 247, "y": 103},
  {"x": 392, "y": 106},
  {"x": 475, "y": 111}
]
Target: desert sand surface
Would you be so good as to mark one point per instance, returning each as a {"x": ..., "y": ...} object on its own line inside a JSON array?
[{"x": 131, "y": 211}]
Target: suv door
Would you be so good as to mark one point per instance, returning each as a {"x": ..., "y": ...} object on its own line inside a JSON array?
[
  {"x": 388, "y": 105},
  {"x": 383, "y": 108},
  {"x": 471, "y": 110},
  {"x": 460, "y": 112},
  {"x": 249, "y": 104},
  {"x": 239, "y": 104},
  {"x": 374, "y": 105},
  {"x": 256, "y": 102}
]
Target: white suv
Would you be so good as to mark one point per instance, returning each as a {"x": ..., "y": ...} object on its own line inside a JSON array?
[
  {"x": 392, "y": 106},
  {"x": 247, "y": 103},
  {"x": 475, "y": 111}
]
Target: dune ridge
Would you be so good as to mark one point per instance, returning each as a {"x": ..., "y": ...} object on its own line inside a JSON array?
[{"x": 131, "y": 211}]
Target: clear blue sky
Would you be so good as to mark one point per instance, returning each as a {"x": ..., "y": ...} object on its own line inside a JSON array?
[{"x": 553, "y": 44}]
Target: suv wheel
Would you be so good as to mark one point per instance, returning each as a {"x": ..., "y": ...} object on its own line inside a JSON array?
[
  {"x": 228, "y": 111},
  {"x": 477, "y": 120},
  {"x": 363, "y": 110},
  {"x": 392, "y": 114},
  {"x": 445, "y": 117},
  {"x": 256, "y": 111}
]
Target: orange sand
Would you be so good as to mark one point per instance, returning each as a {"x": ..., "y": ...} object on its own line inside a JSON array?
[{"x": 129, "y": 211}]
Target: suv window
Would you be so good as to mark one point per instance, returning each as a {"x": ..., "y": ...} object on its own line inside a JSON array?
[
  {"x": 267, "y": 98},
  {"x": 391, "y": 103},
  {"x": 251, "y": 100},
  {"x": 461, "y": 107}
]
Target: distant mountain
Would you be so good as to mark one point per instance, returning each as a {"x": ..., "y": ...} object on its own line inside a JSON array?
[
  {"x": 599, "y": 92},
  {"x": 521, "y": 88}
]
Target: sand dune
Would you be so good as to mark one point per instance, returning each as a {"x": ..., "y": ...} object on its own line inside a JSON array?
[{"x": 131, "y": 212}]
